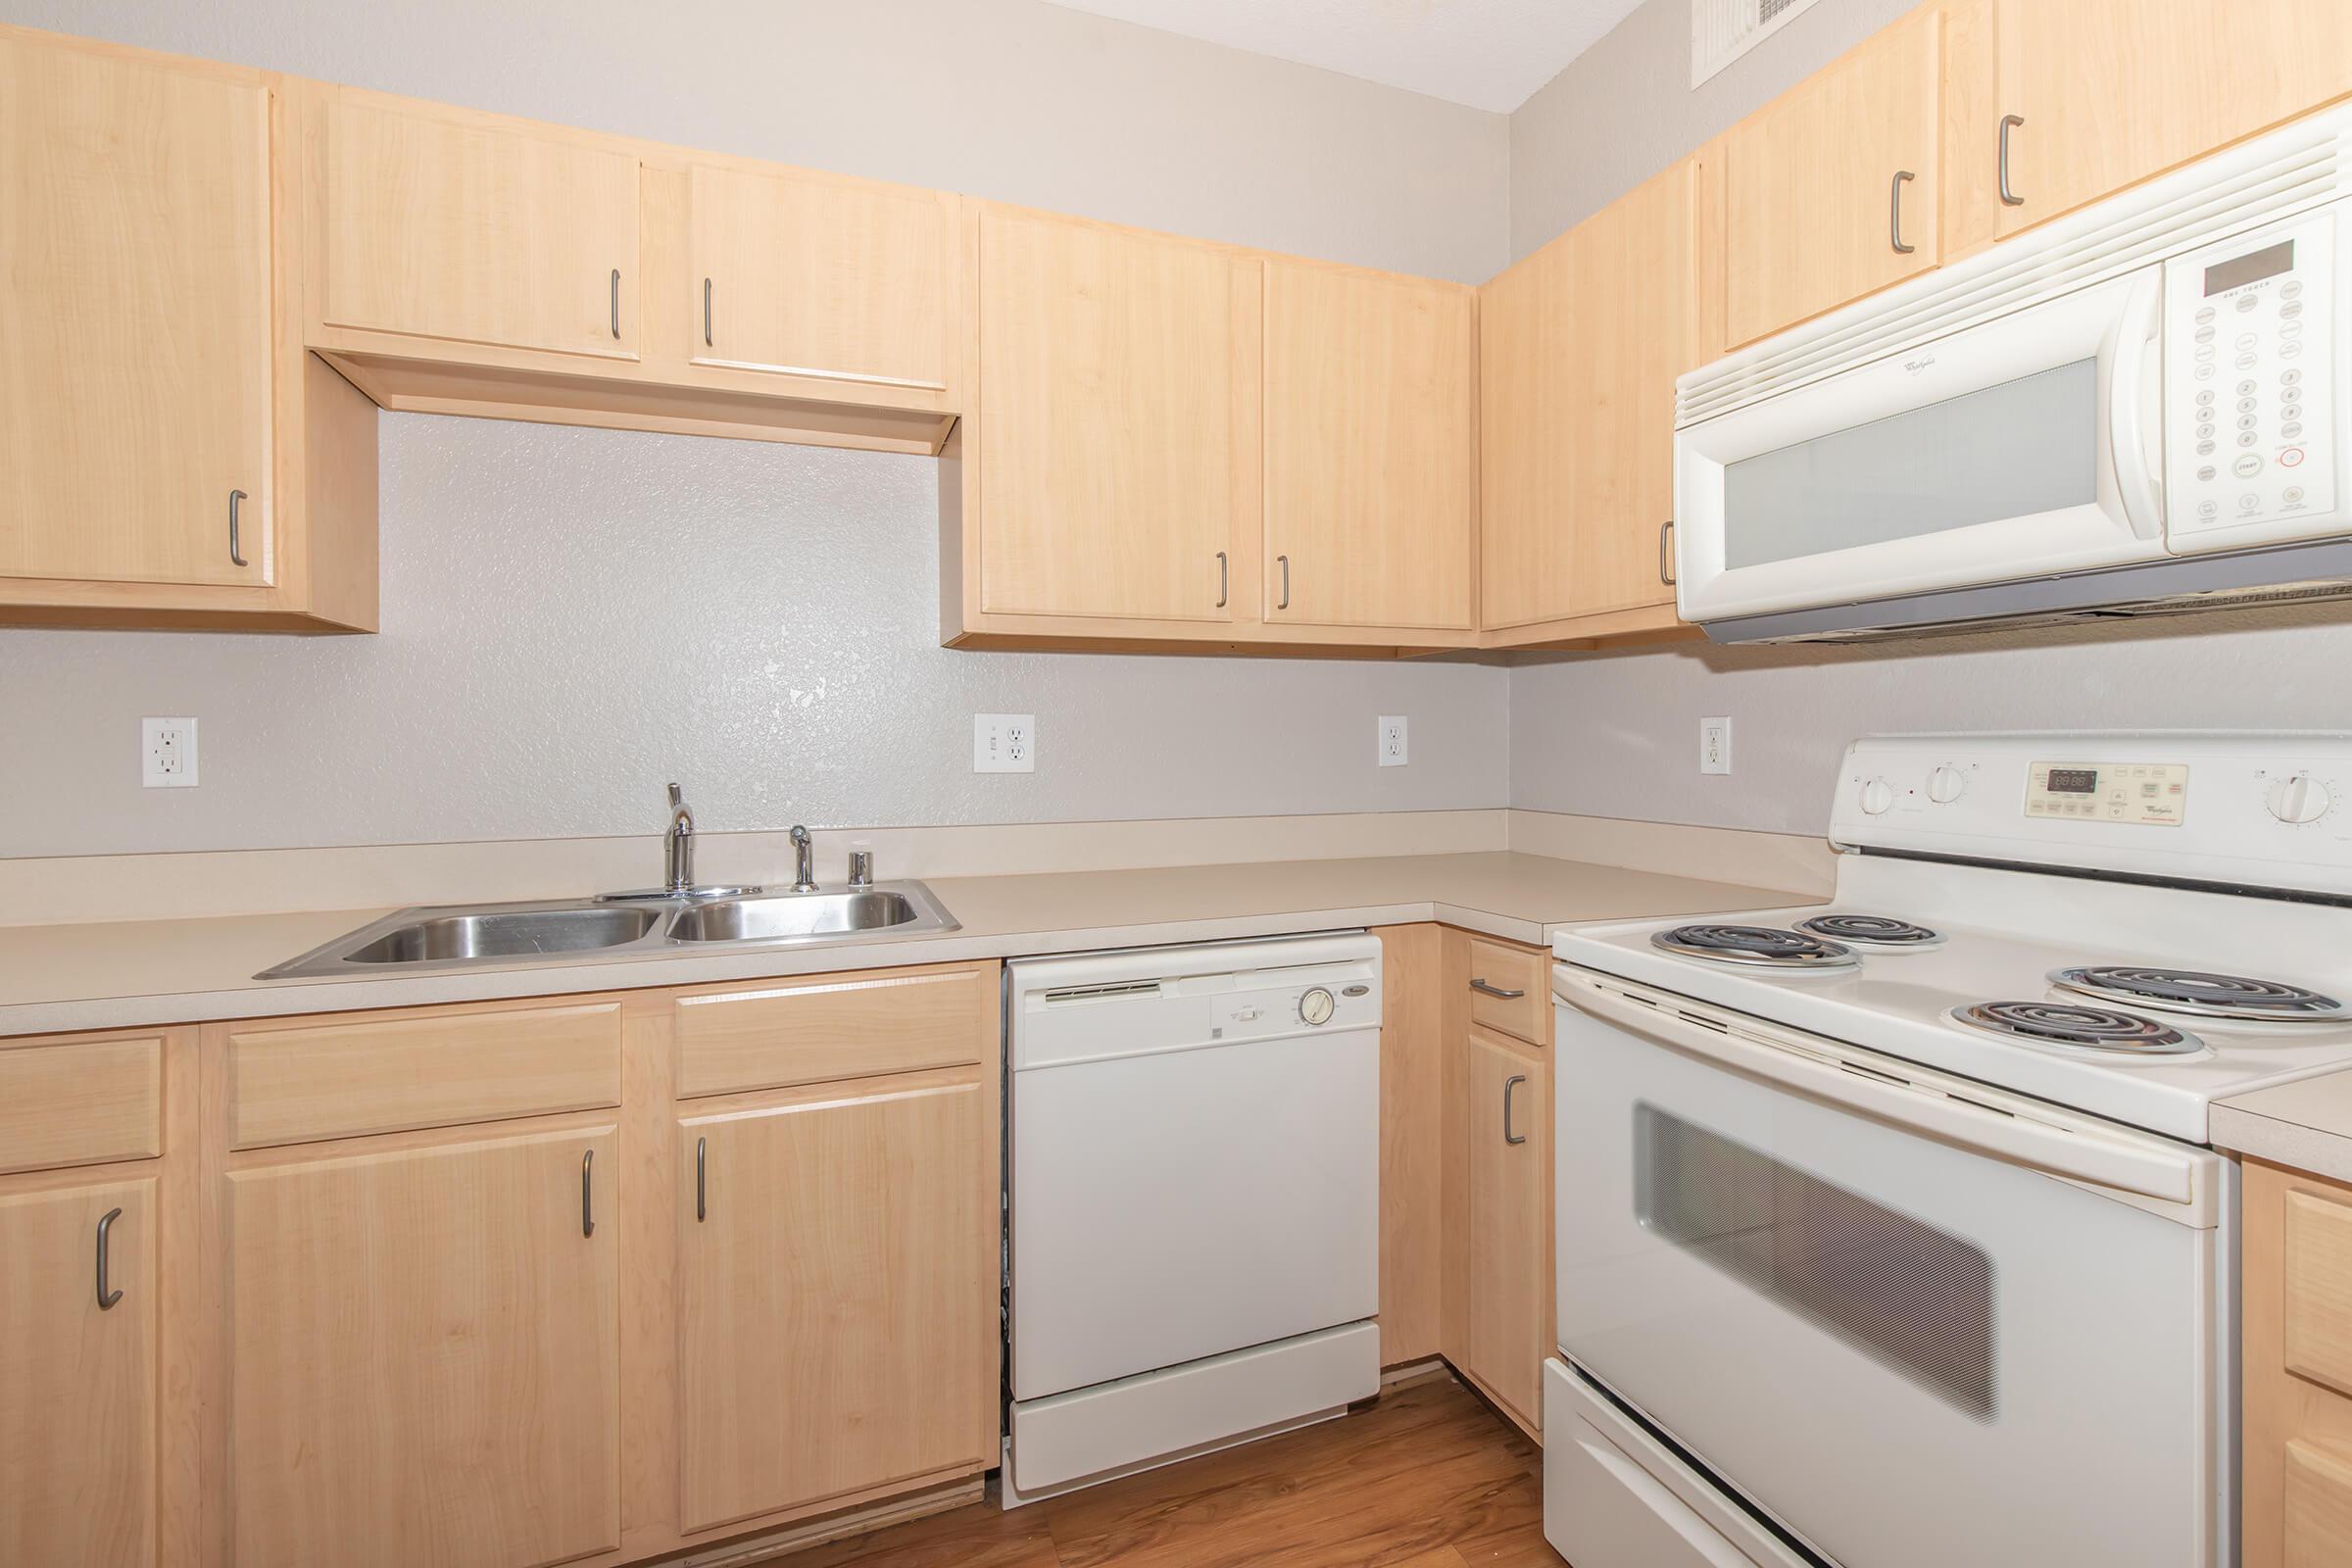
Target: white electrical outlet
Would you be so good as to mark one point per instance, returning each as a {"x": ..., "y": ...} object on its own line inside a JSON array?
[
  {"x": 1714, "y": 746},
  {"x": 167, "y": 754},
  {"x": 1004, "y": 743},
  {"x": 1392, "y": 749}
]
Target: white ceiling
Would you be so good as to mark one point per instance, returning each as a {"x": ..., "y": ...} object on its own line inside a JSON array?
[{"x": 1488, "y": 54}]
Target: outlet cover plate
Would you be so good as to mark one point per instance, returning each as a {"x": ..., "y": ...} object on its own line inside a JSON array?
[
  {"x": 167, "y": 754},
  {"x": 1392, "y": 751},
  {"x": 1004, "y": 743},
  {"x": 1714, "y": 746}
]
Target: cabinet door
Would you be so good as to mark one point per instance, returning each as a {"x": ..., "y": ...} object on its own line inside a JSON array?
[
  {"x": 134, "y": 319},
  {"x": 1118, "y": 437},
  {"x": 77, "y": 1381},
  {"x": 2113, "y": 91},
  {"x": 1510, "y": 1128},
  {"x": 436, "y": 224},
  {"x": 1579, "y": 348},
  {"x": 835, "y": 1299},
  {"x": 808, "y": 274},
  {"x": 1815, "y": 204},
  {"x": 1371, "y": 486},
  {"x": 425, "y": 1356}
]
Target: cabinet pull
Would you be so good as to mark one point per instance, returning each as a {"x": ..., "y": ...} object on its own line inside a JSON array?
[
  {"x": 1284, "y": 562},
  {"x": 2009, "y": 198},
  {"x": 1496, "y": 991},
  {"x": 616, "y": 302},
  {"x": 706, "y": 343},
  {"x": 588, "y": 1193},
  {"x": 1224, "y": 580},
  {"x": 106, "y": 1298},
  {"x": 236, "y": 556},
  {"x": 1509, "y": 1084},
  {"x": 1895, "y": 212},
  {"x": 1666, "y": 551},
  {"x": 702, "y": 1208}
]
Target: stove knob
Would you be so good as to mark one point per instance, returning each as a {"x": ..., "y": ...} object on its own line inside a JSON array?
[
  {"x": 1945, "y": 785},
  {"x": 1877, "y": 796},
  {"x": 2299, "y": 797},
  {"x": 1315, "y": 1006}
]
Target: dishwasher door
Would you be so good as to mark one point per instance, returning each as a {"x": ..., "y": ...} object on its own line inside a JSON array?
[{"x": 1195, "y": 1160}]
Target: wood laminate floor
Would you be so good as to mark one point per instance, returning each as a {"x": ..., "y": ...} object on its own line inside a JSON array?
[{"x": 1427, "y": 1478}]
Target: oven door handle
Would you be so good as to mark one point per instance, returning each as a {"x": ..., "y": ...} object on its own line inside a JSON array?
[{"x": 2089, "y": 1153}]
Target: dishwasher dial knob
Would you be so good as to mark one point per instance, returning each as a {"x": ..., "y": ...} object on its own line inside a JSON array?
[
  {"x": 2299, "y": 797},
  {"x": 1945, "y": 785},
  {"x": 1316, "y": 1006},
  {"x": 1877, "y": 796}
]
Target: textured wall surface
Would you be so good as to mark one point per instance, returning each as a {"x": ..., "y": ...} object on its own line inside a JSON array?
[
  {"x": 575, "y": 618},
  {"x": 1009, "y": 99},
  {"x": 1625, "y": 109}
]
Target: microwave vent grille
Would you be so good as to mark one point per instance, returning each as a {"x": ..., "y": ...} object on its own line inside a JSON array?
[{"x": 2275, "y": 176}]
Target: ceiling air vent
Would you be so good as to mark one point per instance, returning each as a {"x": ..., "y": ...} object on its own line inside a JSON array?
[{"x": 1722, "y": 30}]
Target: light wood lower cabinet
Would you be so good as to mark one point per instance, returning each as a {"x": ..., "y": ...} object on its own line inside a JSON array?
[
  {"x": 2296, "y": 1369},
  {"x": 424, "y": 1352},
  {"x": 80, "y": 1403},
  {"x": 835, "y": 1303}
]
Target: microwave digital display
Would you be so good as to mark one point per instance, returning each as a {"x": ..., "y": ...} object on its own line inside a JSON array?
[
  {"x": 2074, "y": 781},
  {"x": 2251, "y": 268}
]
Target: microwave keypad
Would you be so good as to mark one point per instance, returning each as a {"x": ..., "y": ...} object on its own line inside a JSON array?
[{"x": 2253, "y": 447}]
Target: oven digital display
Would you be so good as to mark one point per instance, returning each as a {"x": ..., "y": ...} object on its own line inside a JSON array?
[
  {"x": 2074, "y": 781},
  {"x": 2251, "y": 268}
]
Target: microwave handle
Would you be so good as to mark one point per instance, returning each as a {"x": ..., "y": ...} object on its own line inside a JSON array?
[{"x": 2135, "y": 406}]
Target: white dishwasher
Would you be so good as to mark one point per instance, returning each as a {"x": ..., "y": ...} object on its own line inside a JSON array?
[{"x": 1194, "y": 1181}]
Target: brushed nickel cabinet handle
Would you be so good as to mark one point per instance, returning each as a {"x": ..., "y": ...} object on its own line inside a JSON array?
[
  {"x": 1509, "y": 1084},
  {"x": 2009, "y": 198},
  {"x": 1285, "y": 563},
  {"x": 236, "y": 555},
  {"x": 616, "y": 302},
  {"x": 588, "y": 1193},
  {"x": 1224, "y": 580},
  {"x": 702, "y": 1152},
  {"x": 1666, "y": 551},
  {"x": 1496, "y": 991},
  {"x": 106, "y": 1298},
  {"x": 706, "y": 343},
  {"x": 1894, "y": 212}
]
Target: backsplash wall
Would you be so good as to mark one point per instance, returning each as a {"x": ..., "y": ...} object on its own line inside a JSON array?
[{"x": 572, "y": 618}]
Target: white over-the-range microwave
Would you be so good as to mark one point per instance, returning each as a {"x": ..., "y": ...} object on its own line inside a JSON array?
[{"x": 2141, "y": 407}]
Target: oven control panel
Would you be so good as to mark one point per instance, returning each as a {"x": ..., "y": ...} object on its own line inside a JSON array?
[{"x": 2152, "y": 794}]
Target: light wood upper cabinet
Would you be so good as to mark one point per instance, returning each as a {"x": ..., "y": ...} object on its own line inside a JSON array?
[
  {"x": 1815, "y": 204},
  {"x": 2110, "y": 92},
  {"x": 1507, "y": 1097},
  {"x": 836, "y": 1312},
  {"x": 1118, "y": 440},
  {"x": 440, "y": 224},
  {"x": 425, "y": 1353},
  {"x": 1370, "y": 469},
  {"x": 1580, "y": 346},
  {"x": 136, "y": 336},
  {"x": 79, "y": 1407},
  {"x": 810, "y": 274}
]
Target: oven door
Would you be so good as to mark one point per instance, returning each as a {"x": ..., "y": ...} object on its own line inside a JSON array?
[
  {"x": 1914, "y": 1330},
  {"x": 2022, "y": 448}
]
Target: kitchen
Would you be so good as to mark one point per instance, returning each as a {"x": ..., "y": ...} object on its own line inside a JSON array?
[{"x": 1164, "y": 347}]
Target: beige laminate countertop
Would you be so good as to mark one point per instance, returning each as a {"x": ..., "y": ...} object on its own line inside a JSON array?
[
  {"x": 61, "y": 978},
  {"x": 2306, "y": 1124}
]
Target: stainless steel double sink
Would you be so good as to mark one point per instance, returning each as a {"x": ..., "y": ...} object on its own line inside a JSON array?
[{"x": 462, "y": 936}]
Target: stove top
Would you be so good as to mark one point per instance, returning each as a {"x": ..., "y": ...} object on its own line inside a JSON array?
[
  {"x": 2200, "y": 993},
  {"x": 1768, "y": 947},
  {"x": 2069, "y": 1026},
  {"x": 1870, "y": 931}
]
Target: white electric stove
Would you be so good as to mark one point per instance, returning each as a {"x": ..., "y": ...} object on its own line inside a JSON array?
[{"x": 1887, "y": 1231}]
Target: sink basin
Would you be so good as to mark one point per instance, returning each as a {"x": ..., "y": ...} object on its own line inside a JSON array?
[
  {"x": 795, "y": 914},
  {"x": 506, "y": 934},
  {"x": 421, "y": 941}
]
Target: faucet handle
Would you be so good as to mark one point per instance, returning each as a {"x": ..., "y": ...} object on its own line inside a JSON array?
[
  {"x": 861, "y": 868},
  {"x": 678, "y": 797}
]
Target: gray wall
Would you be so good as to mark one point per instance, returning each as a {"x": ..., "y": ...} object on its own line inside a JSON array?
[
  {"x": 1624, "y": 108},
  {"x": 571, "y": 617}
]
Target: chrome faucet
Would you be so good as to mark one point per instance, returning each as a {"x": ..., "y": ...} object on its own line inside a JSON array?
[
  {"x": 805, "y": 876},
  {"x": 677, "y": 845}
]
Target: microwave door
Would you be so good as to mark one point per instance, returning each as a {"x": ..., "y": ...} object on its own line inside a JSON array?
[{"x": 2022, "y": 446}]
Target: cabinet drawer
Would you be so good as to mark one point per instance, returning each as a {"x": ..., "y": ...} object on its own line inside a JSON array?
[
  {"x": 2319, "y": 1289},
  {"x": 2319, "y": 1505},
  {"x": 80, "y": 1103},
  {"x": 832, "y": 1026},
  {"x": 1507, "y": 991},
  {"x": 389, "y": 1074}
]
